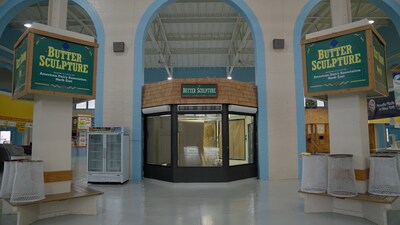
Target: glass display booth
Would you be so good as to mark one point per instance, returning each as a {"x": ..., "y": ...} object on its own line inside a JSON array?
[{"x": 200, "y": 142}]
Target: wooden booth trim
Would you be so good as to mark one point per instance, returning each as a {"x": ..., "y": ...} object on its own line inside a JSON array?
[
  {"x": 57, "y": 176},
  {"x": 362, "y": 174}
]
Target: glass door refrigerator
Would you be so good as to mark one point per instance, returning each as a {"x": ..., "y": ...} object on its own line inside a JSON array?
[{"x": 108, "y": 154}]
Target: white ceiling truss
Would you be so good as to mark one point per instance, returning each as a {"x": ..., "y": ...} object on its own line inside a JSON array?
[
  {"x": 199, "y": 33},
  {"x": 160, "y": 43},
  {"x": 240, "y": 36}
]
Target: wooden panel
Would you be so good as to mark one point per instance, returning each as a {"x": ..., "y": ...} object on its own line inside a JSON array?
[
  {"x": 76, "y": 192},
  {"x": 209, "y": 137},
  {"x": 362, "y": 174},
  {"x": 316, "y": 116},
  {"x": 371, "y": 134},
  {"x": 317, "y": 138},
  {"x": 236, "y": 140},
  {"x": 364, "y": 197},
  {"x": 57, "y": 176}
]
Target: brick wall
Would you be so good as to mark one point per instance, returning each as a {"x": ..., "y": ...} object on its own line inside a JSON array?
[{"x": 229, "y": 92}]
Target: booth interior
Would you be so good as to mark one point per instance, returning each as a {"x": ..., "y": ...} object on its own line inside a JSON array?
[{"x": 196, "y": 138}]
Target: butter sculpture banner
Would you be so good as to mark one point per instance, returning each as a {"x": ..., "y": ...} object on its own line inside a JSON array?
[
  {"x": 343, "y": 62},
  {"x": 52, "y": 64},
  {"x": 199, "y": 90}
]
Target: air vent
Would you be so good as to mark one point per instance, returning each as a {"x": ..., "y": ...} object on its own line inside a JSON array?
[{"x": 185, "y": 108}]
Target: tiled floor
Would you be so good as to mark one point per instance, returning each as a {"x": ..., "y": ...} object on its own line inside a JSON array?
[{"x": 243, "y": 203}]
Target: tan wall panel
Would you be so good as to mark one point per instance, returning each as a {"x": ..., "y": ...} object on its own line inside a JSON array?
[{"x": 316, "y": 116}]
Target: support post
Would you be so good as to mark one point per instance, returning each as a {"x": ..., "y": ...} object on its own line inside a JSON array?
[
  {"x": 52, "y": 115},
  {"x": 348, "y": 118}
]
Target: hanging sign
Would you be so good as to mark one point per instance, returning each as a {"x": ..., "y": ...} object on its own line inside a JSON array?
[
  {"x": 383, "y": 107},
  {"x": 343, "y": 62},
  {"x": 52, "y": 64},
  {"x": 199, "y": 90}
]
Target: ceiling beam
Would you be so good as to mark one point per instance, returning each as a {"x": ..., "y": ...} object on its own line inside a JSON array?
[
  {"x": 236, "y": 46},
  {"x": 88, "y": 29},
  {"x": 199, "y": 51},
  {"x": 6, "y": 60},
  {"x": 39, "y": 11},
  {"x": 4, "y": 48},
  {"x": 237, "y": 55},
  {"x": 325, "y": 12},
  {"x": 198, "y": 37},
  {"x": 160, "y": 43},
  {"x": 198, "y": 20}
]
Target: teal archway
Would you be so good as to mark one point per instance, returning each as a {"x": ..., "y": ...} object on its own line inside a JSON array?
[
  {"x": 138, "y": 81},
  {"x": 391, "y": 8}
]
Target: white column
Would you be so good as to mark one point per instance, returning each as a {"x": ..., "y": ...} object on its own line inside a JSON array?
[
  {"x": 52, "y": 116},
  {"x": 340, "y": 12},
  {"x": 57, "y": 14},
  {"x": 348, "y": 118}
]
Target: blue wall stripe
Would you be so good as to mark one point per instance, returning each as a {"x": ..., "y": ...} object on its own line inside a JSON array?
[
  {"x": 260, "y": 76},
  {"x": 138, "y": 80},
  {"x": 138, "y": 73},
  {"x": 100, "y": 37},
  {"x": 298, "y": 77}
]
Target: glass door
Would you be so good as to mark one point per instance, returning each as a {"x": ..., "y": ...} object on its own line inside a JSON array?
[
  {"x": 95, "y": 153},
  {"x": 113, "y": 153}
]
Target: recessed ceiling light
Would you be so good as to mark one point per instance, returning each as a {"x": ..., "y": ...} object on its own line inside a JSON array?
[
  {"x": 371, "y": 21},
  {"x": 27, "y": 25}
]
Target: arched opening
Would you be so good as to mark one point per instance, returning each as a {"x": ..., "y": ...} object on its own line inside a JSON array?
[
  {"x": 310, "y": 19},
  {"x": 138, "y": 81}
]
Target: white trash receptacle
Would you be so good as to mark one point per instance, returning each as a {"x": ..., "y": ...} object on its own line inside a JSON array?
[
  {"x": 314, "y": 173},
  {"x": 8, "y": 179},
  {"x": 29, "y": 182},
  {"x": 384, "y": 176},
  {"x": 341, "y": 176}
]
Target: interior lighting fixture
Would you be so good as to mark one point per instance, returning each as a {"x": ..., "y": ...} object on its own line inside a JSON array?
[
  {"x": 371, "y": 21},
  {"x": 229, "y": 77},
  {"x": 170, "y": 78},
  {"x": 27, "y": 25}
]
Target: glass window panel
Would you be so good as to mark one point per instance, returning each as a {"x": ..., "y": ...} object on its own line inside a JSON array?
[
  {"x": 393, "y": 137},
  {"x": 95, "y": 152},
  {"x": 81, "y": 105},
  {"x": 241, "y": 139},
  {"x": 199, "y": 140},
  {"x": 320, "y": 128},
  {"x": 159, "y": 140},
  {"x": 113, "y": 155},
  {"x": 5, "y": 137},
  {"x": 91, "y": 104}
]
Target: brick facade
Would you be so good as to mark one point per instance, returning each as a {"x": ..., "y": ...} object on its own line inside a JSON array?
[{"x": 229, "y": 92}]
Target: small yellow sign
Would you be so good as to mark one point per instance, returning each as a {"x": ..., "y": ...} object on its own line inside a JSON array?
[{"x": 20, "y": 127}]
